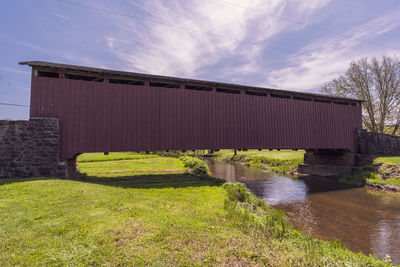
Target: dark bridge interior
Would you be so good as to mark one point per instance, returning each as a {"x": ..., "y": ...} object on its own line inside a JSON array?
[{"x": 107, "y": 111}]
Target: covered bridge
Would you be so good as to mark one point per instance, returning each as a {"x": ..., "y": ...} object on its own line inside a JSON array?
[{"x": 101, "y": 110}]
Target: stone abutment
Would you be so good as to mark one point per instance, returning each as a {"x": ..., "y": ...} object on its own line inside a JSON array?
[{"x": 30, "y": 149}]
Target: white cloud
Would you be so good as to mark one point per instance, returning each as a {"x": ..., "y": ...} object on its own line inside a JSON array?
[
  {"x": 325, "y": 58},
  {"x": 205, "y": 32}
]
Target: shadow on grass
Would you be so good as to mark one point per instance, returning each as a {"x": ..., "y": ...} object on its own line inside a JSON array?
[
  {"x": 180, "y": 180},
  {"x": 147, "y": 181}
]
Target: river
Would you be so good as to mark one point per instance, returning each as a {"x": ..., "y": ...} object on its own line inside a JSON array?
[{"x": 363, "y": 219}]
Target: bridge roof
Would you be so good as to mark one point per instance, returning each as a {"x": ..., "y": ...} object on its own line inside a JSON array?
[{"x": 99, "y": 72}]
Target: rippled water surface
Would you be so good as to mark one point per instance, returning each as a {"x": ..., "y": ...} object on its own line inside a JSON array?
[{"x": 363, "y": 219}]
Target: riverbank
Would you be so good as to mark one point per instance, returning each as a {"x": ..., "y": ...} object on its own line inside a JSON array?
[
  {"x": 382, "y": 174},
  {"x": 137, "y": 212},
  {"x": 283, "y": 161}
]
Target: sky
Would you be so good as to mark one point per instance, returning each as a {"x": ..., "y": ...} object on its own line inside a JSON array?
[{"x": 285, "y": 44}]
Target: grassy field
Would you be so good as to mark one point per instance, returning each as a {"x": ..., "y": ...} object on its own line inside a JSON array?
[
  {"x": 93, "y": 157},
  {"x": 151, "y": 219},
  {"x": 132, "y": 167},
  {"x": 388, "y": 160},
  {"x": 251, "y": 153},
  {"x": 278, "y": 161}
]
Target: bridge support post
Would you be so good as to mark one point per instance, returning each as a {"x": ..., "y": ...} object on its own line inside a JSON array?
[
  {"x": 71, "y": 168},
  {"x": 326, "y": 162}
]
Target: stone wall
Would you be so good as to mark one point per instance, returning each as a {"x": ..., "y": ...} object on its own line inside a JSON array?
[
  {"x": 29, "y": 149},
  {"x": 376, "y": 144}
]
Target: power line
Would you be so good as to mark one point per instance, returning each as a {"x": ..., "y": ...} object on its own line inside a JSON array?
[
  {"x": 218, "y": 35},
  {"x": 175, "y": 26},
  {"x": 301, "y": 23},
  {"x": 12, "y": 104}
]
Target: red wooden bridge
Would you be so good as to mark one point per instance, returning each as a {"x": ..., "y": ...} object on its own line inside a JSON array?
[{"x": 102, "y": 110}]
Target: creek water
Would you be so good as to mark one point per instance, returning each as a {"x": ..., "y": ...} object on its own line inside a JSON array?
[{"x": 365, "y": 220}]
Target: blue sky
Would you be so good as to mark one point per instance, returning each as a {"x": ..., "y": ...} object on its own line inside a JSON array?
[{"x": 286, "y": 44}]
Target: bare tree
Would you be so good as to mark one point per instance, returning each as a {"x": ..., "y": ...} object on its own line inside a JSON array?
[{"x": 377, "y": 82}]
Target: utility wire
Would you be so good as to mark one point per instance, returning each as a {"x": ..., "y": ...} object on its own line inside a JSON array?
[
  {"x": 218, "y": 35},
  {"x": 301, "y": 23},
  {"x": 15, "y": 105},
  {"x": 175, "y": 26}
]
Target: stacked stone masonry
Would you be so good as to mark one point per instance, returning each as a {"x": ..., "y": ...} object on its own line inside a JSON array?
[
  {"x": 377, "y": 144},
  {"x": 29, "y": 149}
]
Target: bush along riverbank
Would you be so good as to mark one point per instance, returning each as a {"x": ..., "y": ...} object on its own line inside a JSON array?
[
  {"x": 283, "y": 161},
  {"x": 196, "y": 166},
  {"x": 383, "y": 173}
]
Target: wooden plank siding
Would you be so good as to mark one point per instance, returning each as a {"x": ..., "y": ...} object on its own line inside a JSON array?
[{"x": 107, "y": 117}]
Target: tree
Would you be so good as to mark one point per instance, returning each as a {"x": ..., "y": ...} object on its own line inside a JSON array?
[{"x": 377, "y": 82}]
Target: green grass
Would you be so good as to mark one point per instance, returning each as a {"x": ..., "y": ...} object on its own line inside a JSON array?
[
  {"x": 132, "y": 167},
  {"x": 388, "y": 160},
  {"x": 197, "y": 166},
  {"x": 151, "y": 219},
  {"x": 383, "y": 171},
  {"x": 275, "y": 154},
  {"x": 92, "y": 157},
  {"x": 278, "y": 161},
  {"x": 395, "y": 181}
]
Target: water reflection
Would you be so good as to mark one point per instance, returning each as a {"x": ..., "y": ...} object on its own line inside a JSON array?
[
  {"x": 365, "y": 220},
  {"x": 279, "y": 190}
]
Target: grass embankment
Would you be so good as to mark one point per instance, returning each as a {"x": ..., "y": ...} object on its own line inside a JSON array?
[
  {"x": 282, "y": 161},
  {"x": 151, "y": 219},
  {"x": 383, "y": 173}
]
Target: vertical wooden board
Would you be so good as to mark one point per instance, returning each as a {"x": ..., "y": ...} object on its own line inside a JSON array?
[
  {"x": 216, "y": 121},
  {"x": 245, "y": 123},
  {"x": 156, "y": 120},
  {"x": 195, "y": 120},
  {"x": 267, "y": 122},
  {"x": 263, "y": 122},
  {"x": 184, "y": 118},
  {"x": 180, "y": 108},
  {"x": 250, "y": 115},
  {"x": 153, "y": 115},
  {"x": 292, "y": 125},
  {"x": 127, "y": 114},
  {"x": 232, "y": 122},
  {"x": 162, "y": 120},
  {"x": 176, "y": 116},
  {"x": 309, "y": 121},
  {"x": 133, "y": 119},
  {"x": 173, "y": 117},
  {"x": 203, "y": 122},
  {"x": 224, "y": 119},
  {"x": 190, "y": 120},
  {"x": 122, "y": 116}
]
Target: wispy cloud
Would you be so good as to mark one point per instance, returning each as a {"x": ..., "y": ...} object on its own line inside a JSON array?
[
  {"x": 327, "y": 57},
  {"x": 216, "y": 33}
]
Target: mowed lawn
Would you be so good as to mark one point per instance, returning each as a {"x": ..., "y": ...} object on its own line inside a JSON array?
[
  {"x": 128, "y": 167},
  {"x": 153, "y": 219},
  {"x": 274, "y": 154}
]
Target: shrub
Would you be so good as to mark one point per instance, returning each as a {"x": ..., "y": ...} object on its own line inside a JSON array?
[
  {"x": 197, "y": 166},
  {"x": 251, "y": 212}
]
